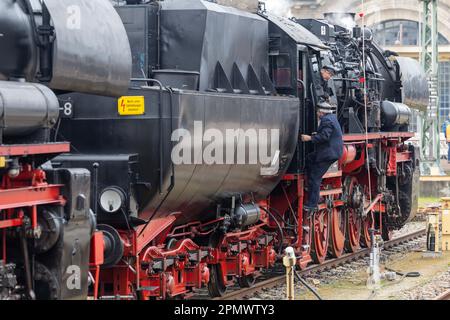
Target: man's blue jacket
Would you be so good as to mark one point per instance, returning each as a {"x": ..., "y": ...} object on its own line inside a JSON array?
[{"x": 328, "y": 140}]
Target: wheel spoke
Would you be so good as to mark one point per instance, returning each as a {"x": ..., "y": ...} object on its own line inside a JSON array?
[
  {"x": 366, "y": 225},
  {"x": 337, "y": 233},
  {"x": 246, "y": 281},
  {"x": 216, "y": 287}
]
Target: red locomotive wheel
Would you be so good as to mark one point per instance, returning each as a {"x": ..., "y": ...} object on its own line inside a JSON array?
[
  {"x": 216, "y": 287},
  {"x": 337, "y": 233},
  {"x": 353, "y": 230},
  {"x": 320, "y": 236}
]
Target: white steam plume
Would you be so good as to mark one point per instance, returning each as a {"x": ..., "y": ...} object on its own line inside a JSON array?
[{"x": 279, "y": 7}]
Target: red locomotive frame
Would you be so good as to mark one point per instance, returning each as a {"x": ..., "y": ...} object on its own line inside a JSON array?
[
  {"x": 239, "y": 257},
  {"x": 21, "y": 195}
]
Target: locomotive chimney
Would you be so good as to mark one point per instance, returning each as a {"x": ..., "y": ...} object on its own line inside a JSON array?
[{"x": 343, "y": 19}]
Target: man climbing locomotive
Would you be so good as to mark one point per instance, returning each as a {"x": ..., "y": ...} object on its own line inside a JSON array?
[{"x": 132, "y": 223}]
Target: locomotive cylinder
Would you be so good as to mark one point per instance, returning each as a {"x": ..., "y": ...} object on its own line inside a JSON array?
[
  {"x": 64, "y": 44},
  {"x": 26, "y": 107},
  {"x": 343, "y": 19},
  {"x": 393, "y": 114},
  {"x": 348, "y": 155}
]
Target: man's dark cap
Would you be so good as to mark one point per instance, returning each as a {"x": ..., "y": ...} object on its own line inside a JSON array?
[{"x": 330, "y": 68}]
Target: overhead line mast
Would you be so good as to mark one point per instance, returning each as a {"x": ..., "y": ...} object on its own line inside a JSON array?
[{"x": 430, "y": 141}]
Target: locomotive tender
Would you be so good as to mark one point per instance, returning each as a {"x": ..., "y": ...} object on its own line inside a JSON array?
[{"x": 130, "y": 88}]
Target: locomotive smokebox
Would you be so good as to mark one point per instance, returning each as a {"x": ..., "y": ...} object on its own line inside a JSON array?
[
  {"x": 343, "y": 19},
  {"x": 247, "y": 214},
  {"x": 26, "y": 107},
  {"x": 247, "y": 5}
]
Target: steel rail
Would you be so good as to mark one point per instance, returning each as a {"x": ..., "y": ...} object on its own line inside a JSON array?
[
  {"x": 444, "y": 296},
  {"x": 328, "y": 264}
]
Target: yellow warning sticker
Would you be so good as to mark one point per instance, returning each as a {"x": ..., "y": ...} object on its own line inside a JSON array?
[{"x": 131, "y": 105}]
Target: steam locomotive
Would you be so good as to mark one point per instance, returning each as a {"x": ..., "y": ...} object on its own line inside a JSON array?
[{"x": 154, "y": 148}]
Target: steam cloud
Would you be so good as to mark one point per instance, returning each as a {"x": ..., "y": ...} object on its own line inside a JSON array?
[
  {"x": 279, "y": 7},
  {"x": 342, "y": 19}
]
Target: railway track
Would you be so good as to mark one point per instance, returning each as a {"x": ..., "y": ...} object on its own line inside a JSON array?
[{"x": 277, "y": 280}]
